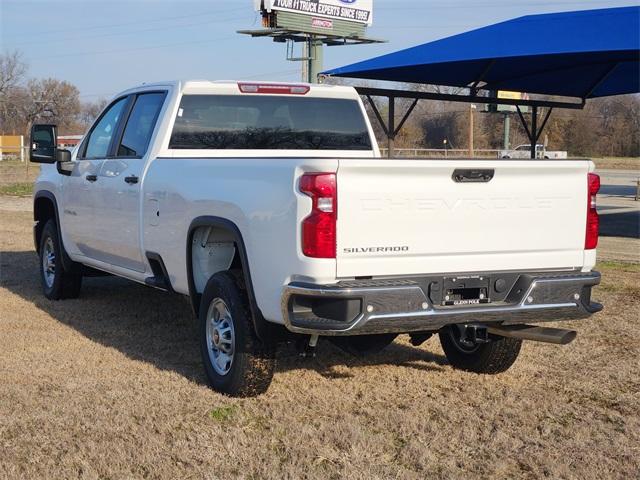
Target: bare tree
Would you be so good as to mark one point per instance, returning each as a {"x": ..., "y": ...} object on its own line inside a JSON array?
[
  {"x": 89, "y": 112},
  {"x": 12, "y": 71},
  {"x": 54, "y": 100}
]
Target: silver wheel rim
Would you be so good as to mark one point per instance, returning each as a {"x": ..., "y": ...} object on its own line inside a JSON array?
[
  {"x": 221, "y": 338},
  {"x": 49, "y": 263}
]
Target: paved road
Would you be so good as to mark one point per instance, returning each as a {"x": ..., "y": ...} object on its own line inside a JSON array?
[
  {"x": 618, "y": 209},
  {"x": 619, "y": 183}
]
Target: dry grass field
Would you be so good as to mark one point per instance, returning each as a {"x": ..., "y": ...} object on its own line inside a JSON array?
[
  {"x": 618, "y": 163},
  {"x": 111, "y": 386}
]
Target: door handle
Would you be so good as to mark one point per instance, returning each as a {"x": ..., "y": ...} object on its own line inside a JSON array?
[
  {"x": 132, "y": 180},
  {"x": 473, "y": 175},
  {"x": 91, "y": 178}
]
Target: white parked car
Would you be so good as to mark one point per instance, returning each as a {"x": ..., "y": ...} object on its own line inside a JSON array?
[
  {"x": 269, "y": 207},
  {"x": 524, "y": 151}
]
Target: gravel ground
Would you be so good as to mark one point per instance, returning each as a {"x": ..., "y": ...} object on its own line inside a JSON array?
[{"x": 110, "y": 386}]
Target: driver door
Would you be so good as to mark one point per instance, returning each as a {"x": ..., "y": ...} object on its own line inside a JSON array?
[{"x": 80, "y": 188}]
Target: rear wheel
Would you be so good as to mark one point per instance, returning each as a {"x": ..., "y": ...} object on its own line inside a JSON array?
[
  {"x": 496, "y": 356},
  {"x": 57, "y": 282},
  {"x": 363, "y": 345},
  {"x": 236, "y": 362}
]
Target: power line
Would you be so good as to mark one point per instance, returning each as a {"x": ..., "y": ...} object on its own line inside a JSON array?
[
  {"x": 128, "y": 24},
  {"x": 127, "y": 50},
  {"x": 153, "y": 29}
]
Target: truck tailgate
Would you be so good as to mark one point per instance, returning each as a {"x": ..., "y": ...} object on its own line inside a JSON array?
[{"x": 403, "y": 217}]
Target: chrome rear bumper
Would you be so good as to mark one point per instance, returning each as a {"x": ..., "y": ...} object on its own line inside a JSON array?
[{"x": 401, "y": 306}]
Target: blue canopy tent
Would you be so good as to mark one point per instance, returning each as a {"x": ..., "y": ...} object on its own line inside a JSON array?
[{"x": 584, "y": 54}]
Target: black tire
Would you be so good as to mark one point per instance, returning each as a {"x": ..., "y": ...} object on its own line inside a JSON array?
[
  {"x": 364, "y": 345},
  {"x": 494, "y": 357},
  {"x": 58, "y": 283},
  {"x": 252, "y": 363}
]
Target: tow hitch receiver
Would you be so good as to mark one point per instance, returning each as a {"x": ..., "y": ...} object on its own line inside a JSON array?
[{"x": 471, "y": 335}]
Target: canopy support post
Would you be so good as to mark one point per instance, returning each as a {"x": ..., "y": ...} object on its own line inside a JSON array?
[
  {"x": 406, "y": 116},
  {"x": 377, "y": 114},
  {"x": 544, "y": 124},
  {"x": 524, "y": 122},
  {"x": 534, "y": 133},
  {"x": 391, "y": 127}
]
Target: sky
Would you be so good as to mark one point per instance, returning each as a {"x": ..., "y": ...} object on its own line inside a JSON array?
[{"x": 105, "y": 46}]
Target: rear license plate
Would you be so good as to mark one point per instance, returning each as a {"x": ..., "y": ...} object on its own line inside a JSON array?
[{"x": 466, "y": 290}]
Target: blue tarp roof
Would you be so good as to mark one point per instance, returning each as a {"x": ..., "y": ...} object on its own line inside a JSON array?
[{"x": 584, "y": 54}]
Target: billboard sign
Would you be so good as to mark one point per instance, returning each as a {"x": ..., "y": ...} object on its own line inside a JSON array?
[
  {"x": 357, "y": 11},
  {"x": 504, "y": 94}
]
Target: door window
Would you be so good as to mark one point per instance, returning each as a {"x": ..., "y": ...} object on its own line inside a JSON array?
[
  {"x": 102, "y": 133},
  {"x": 139, "y": 129}
]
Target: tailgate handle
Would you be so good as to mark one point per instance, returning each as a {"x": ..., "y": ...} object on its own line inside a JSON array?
[{"x": 473, "y": 175}]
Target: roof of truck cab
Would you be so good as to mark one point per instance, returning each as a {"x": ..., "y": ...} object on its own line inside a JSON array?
[{"x": 230, "y": 87}]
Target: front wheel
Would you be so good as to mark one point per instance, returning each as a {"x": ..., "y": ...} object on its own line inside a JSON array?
[
  {"x": 57, "y": 282},
  {"x": 236, "y": 362},
  {"x": 496, "y": 356}
]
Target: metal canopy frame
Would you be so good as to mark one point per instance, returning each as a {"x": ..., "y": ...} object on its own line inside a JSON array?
[
  {"x": 392, "y": 131},
  {"x": 281, "y": 35}
]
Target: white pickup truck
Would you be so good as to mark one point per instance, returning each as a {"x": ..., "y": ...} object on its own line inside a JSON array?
[
  {"x": 269, "y": 207},
  {"x": 524, "y": 151}
]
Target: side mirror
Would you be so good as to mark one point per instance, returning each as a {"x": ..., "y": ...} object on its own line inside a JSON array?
[
  {"x": 43, "y": 145},
  {"x": 63, "y": 155}
]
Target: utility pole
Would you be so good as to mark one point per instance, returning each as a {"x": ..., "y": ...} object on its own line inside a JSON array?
[
  {"x": 507, "y": 131},
  {"x": 472, "y": 107}
]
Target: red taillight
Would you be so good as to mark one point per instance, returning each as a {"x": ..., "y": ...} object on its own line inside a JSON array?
[
  {"x": 273, "y": 88},
  {"x": 319, "y": 228},
  {"x": 593, "y": 222}
]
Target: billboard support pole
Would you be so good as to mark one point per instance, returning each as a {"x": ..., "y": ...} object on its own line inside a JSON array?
[{"x": 314, "y": 59}]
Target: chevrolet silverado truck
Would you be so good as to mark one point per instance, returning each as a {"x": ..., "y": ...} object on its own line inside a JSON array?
[{"x": 269, "y": 207}]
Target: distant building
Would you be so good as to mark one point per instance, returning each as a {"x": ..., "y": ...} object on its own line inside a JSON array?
[
  {"x": 12, "y": 146},
  {"x": 69, "y": 141}
]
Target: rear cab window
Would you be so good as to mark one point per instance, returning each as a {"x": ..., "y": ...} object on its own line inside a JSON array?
[{"x": 269, "y": 122}]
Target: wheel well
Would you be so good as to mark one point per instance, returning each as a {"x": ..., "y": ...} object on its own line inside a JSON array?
[
  {"x": 43, "y": 210},
  {"x": 223, "y": 249},
  {"x": 213, "y": 249}
]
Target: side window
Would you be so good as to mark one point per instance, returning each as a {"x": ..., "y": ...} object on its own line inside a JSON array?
[
  {"x": 102, "y": 133},
  {"x": 137, "y": 133}
]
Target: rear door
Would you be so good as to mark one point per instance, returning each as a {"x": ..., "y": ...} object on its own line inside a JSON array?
[
  {"x": 118, "y": 201},
  {"x": 401, "y": 217}
]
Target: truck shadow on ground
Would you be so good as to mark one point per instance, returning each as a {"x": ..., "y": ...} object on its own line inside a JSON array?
[{"x": 155, "y": 327}]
